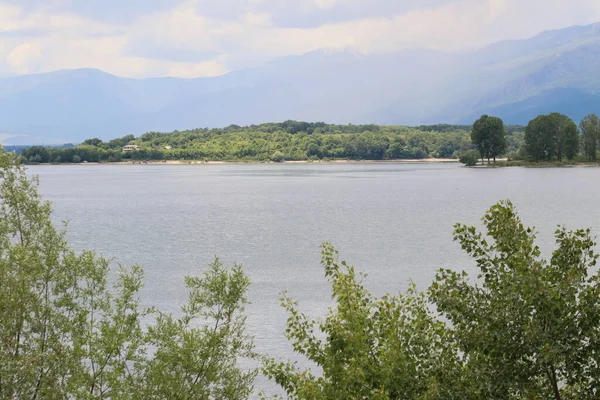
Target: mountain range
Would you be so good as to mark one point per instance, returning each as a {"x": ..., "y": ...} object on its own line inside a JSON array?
[{"x": 516, "y": 80}]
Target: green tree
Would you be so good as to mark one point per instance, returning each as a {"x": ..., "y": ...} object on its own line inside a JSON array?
[
  {"x": 529, "y": 328},
  {"x": 197, "y": 355},
  {"x": 48, "y": 297},
  {"x": 489, "y": 137},
  {"x": 278, "y": 157},
  {"x": 469, "y": 158},
  {"x": 552, "y": 135},
  {"x": 570, "y": 139},
  {"x": 66, "y": 333},
  {"x": 298, "y": 141},
  {"x": 567, "y": 136},
  {"x": 590, "y": 134},
  {"x": 541, "y": 138},
  {"x": 391, "y": 347},
  {"x": 92, "y": 142}
]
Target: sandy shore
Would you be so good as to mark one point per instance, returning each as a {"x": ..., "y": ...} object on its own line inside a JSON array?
[{"x": 185, "y": 162}]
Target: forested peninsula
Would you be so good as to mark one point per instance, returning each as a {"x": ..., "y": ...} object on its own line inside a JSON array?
[
  {"x": 285, "y": 141},
  {"x": 553, "y": 139}
]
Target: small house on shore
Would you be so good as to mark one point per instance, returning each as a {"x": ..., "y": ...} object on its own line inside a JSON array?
[{"x": 131, "y": 147}]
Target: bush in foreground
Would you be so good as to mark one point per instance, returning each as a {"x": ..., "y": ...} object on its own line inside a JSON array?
[
  {"x": 66, "y": 333},
  {"x": 525, "y": 329},
  {"x": 391, "y": 347},
  {"x": 530, "y": 328}
]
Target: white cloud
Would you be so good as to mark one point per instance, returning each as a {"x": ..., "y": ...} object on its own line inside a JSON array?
[
  {"x": 16, "y": 19},
  {"x": 25, "y": 58},
  {"x": 69, "y": 41},
  {"x": 324, "y": 4},
  {"x": 192, "y": 70},
  {"x": 257, "y": 19}
]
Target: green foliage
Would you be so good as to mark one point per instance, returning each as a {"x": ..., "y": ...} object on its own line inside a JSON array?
[
  {"x": 569, "y": 140},
  {"x": 529, "y": 328},
  {"x": 549, "y": 136},
  {"x": 489, "y": 137},
  {"x": 391, "y": 347},
  {"x": 515, "y": 139},
  {"x": 443, "y": 128},
  {"x": 540, "y": 138},
  {"x": 92, "y": 142},
  {"x": 66, "y": 333},
  {"x": 278, "y": 157},
  {"x": 469, "y": 158},
  {"x": 296, "y": 140},
  {"x": 201, "y": 362},
  {"x": 590, "y": 132},
  {"x": 567, "y": 136}
]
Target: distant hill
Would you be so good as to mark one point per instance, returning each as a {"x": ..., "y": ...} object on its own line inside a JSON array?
[{"x": 516, "y": 80}]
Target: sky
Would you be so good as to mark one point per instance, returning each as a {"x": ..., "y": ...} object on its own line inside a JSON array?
[{"x": 199, "y": 38}]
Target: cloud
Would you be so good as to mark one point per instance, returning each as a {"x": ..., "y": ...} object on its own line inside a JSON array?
[
  {"x": 324, "y": 4},
  {"x": 25, "y": 58},
  {"x": 110, "y": 12},
  {"x": 449, "y": 26},
  {"x": 257, "y": 19},
  {"x": 67, "y": 41},
  {"x": 209, "y": 37},
  {"x": 15, "y": 19}
]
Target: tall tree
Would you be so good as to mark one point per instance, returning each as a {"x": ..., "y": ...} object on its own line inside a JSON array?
[
  {"x": 541, "y": 138},
  {"x": 552, "y": 135},
  {"x": 590, "y": 135},
  {"x": 384, "y": 348},
  {"x": 567, "y": 136},
  {"x": 489, "y": 137},
  {"x": 529, "y": 328},
  {"x": 570, "y": 139}
]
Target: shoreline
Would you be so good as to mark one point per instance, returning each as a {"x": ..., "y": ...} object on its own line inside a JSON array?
[
  {"x": 197, "y": 162},
  {"x": 501, "y": 163}
]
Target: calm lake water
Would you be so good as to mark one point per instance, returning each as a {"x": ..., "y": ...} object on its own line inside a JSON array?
[{"x": 393, "y": 221}]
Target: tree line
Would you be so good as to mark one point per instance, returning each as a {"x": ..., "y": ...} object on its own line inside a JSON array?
[
  {"x": 290, "y": 140},
  {"x": 526, "y": 328},
  {"x": 550, "y": 137}
]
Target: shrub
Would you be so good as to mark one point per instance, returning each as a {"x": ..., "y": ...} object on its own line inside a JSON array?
[
  {"x": 278, "y": 157},
  {"x": 469, "y": 158},
  {"x": 67, "y": 333}
]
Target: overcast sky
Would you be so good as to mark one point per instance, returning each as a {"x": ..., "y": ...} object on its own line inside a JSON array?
[{"x": 192, "y": 38}]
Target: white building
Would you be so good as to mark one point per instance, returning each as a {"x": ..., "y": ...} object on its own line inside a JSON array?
[{"x": 131, "y": 147}]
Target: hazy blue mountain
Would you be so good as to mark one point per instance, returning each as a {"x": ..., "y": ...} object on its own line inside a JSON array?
[{"x": 517, "y": 80}]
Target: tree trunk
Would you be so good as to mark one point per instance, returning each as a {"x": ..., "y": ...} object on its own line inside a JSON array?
[{"x": 554, "y": 383}]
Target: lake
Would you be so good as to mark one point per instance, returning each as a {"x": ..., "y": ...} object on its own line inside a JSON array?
[{"x": 391, "y": 220}]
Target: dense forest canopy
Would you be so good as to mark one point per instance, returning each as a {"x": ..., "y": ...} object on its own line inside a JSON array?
[{"x": 289, "y": 140}]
